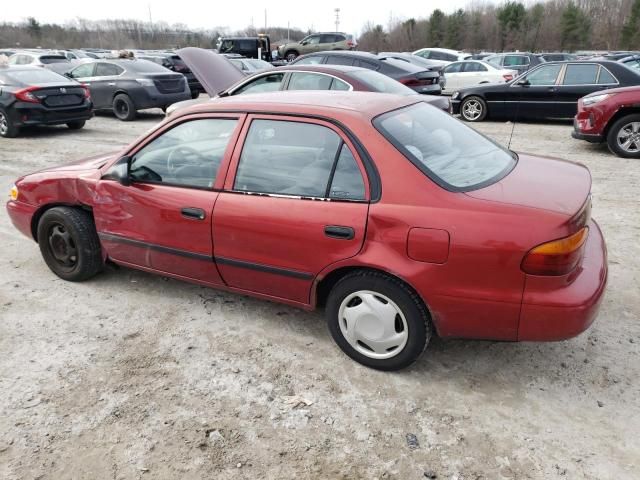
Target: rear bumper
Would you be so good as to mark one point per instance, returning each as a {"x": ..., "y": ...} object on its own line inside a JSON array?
[
  {"x": 21, "y": 214},
  {"x": 563, "y": 307},
  {"x": 25, "y": 114},
  {"x": 151, "y": 97}
]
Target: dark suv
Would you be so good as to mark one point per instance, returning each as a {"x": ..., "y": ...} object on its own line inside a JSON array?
[
  {"x": 127, "y": 85},
  {"x": 37, "y": 96},
  {"x": 518, "y": 61}
]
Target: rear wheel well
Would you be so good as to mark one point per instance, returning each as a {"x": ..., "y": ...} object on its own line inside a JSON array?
[
  {"x": 326, "y": 284},
  {"x": 35, "y": 219},
  {"x": 618, "y": 115}
]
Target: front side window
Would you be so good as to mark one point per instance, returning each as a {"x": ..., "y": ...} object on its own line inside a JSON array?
[
  {"x": 578, "y": 74},
  {"x": 450, "y": 153},
  {"x": 312, "y": 40},
  {"x": 309, "y": 81},
  {"x": 295, "y": 158},
  {"x": 188, "y": 155},
  {"x": 83, "y": 71},
  {"x": 546, "y": 75},
  {"x": 267, "y": 83}
]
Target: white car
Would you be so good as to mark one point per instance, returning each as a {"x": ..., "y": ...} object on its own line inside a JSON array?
[
  {"x": 473, "y": 72},
  {"x": 443, "y": 56}
]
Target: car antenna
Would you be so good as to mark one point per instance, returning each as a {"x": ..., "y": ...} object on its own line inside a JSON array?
[{"x": 515, "y": 119}]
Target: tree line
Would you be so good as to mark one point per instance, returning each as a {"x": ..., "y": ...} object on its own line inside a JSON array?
[
  {"x": 566, "y": 25},
  {"x": 554, "y": 25}
]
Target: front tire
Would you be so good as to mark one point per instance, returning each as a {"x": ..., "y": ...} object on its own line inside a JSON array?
[
  {"x": 377, "y": 320},
  {"x": 7, "y": 128},
  {"x": 69, "y": 243},
  {"x": 473, "y": 109},
  {"x": 76, "y": 125},
  {"x": 291, "y": 55},
  {"x": 124, "y": 108},
  {"x": 624, "y": 137}
]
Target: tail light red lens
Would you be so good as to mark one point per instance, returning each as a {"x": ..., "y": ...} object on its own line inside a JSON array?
[
  {"x": 87, "y": 92},
  {"x": 27, "y": 95},
  {"x": 508, "y": 77},
  {"x": 416, "y": 82},
  {"x": 558, "y": 257}
]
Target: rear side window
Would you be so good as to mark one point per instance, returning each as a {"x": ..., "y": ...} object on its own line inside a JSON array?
[
  {"x": 49, "y": 59},
  {"x": 449, "y": 57},
  {"x": 327, "y": 38},
  {"x": 295, "y": 158},
  {"x": 309, "y": 81},
  {"x": 108, "y": 70},
  {"x": 188, "y": 155},
  {"x": 515, "y": 60},
  {"x": 452, "y": 154},
  {"x": 605, "y": 77},
  {"x": 268, "y": 83},
  {"x": 310, "y": 60},
  {"x": 339, "y": 85},
  {"x": 339, "y": 60},
  {"x": 474, "y": 67},
  {"x": 581, "y": 74}
]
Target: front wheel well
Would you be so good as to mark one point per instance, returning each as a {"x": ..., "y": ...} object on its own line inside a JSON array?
[
  {"x": 327, "y": 283},
  {"x": 623, "y": 112},
  {"x": 35, "y": 219}
]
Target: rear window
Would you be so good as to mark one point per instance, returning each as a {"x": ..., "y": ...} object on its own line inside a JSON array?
[
  {"x": 49, "y": 59},
  {"x": 35, "y": 76},
  {"x": 378, "y": 82},
  {"x": 452, "y": 154}
]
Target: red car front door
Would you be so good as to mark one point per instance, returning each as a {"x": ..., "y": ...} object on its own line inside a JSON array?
[
  {"x": 162, "y": 221},
  {"x": 294, "y": 202}
]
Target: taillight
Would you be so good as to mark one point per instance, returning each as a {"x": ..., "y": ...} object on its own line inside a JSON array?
[
  {"x": 507, "y": 77},
  {"x": 350, "y": 44},
  {"x": 415, "y": 82},
  {"x": 87, "y": 92},
  {"x": 26, "y": 95},
  {"x": 558, "y": 257}
]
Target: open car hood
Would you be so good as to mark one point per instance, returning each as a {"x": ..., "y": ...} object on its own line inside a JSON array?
[{"x": 214, "y": 71}]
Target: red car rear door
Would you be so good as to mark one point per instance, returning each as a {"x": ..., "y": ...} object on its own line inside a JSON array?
[
  {"x": 162, "y": 221},
  {"x": 295, "y": 201}
]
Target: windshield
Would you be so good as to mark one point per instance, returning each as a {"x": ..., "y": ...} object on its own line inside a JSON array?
[
  {"x": 49, "y": 59},
  {"x": 35, "y": 76},
  {"x": 378, "y": 82},
  {"x": 452, "y": 154},
  {"x": 258, "y": 64}
]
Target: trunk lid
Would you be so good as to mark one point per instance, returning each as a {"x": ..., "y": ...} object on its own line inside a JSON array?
[
  {"x": 214, "y": 72},
  {"x": 63, "y": 95},
  {"x": 543, "y": 183}
]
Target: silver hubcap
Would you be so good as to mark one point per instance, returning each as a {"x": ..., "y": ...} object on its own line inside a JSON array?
[
  {"x": 373, "y": 324},
  {"x": 629, "y": 137},
  {"x": 4, "y": 124},
  {"x": 472, "y": 109}
]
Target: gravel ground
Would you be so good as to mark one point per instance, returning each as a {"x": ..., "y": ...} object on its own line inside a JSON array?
[{"x": 132, "y": 375}]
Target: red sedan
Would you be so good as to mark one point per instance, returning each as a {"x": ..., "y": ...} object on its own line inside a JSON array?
[{"x": 397, "y": 218}]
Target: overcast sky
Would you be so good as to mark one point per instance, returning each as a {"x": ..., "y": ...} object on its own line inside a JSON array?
[{"x": 318, "y": 15}]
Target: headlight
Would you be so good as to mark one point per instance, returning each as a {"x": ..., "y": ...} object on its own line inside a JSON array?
[
  {"x": 595, "y": 98},
  {"x": 455, "y": 95},
  {"x": 13, "y": 193},
  {"x": 145, "y": 82}
]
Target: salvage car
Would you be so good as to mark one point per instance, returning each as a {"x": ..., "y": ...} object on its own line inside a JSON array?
[
  {"x": 474, "y": 72},
  {"x": 316, "y": 42},
  {"x": 420, "y": 79},
  {"x": 31, "y": 96},
  {"x": 220, "y": 79},
  {"x": 613, "y": 117},
  {"x": 398, "y": 219},
  {"x": 46, "y": 59},
  {"x": 519, "y": 61},
  {"x": 550, "y": 91},
  {"x": 125, "y": 86},
  {"x": 174, "y": 63}
]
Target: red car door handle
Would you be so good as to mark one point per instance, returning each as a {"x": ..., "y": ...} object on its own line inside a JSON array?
[
  {"x": 339, "y": 232},
  {"x": 195, "y": 213}
]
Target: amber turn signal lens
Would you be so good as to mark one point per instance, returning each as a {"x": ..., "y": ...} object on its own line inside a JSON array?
[
  {"x": 558, "y": 257},
  {"x": 13, "y": 193}
]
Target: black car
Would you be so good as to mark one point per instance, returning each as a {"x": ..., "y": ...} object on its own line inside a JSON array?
[
  {"x": 413, "y": 76},
  {"x": 248, "y": 47},
  {"x": 559, "y": 57},
  {"x": 174, "y": 63},
  {"x": 128, "y": 85},
  {"x": 549, "y": 91},
  {"x": 36, "y": 96},
  {"x": 518, "y": 61}
]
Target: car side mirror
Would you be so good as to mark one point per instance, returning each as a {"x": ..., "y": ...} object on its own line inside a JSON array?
[
  {"x": 304, "y": 43},
  {"x": 523, "y": 83},
  {"x": 68, "y": 74},
  {"x": 119, "y": 172}
]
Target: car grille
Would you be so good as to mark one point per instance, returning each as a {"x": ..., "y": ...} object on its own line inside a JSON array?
[{"x": 173, "y": 84}]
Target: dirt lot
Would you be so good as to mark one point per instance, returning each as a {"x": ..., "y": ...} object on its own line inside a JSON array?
[{"x": 136, "y": 376}]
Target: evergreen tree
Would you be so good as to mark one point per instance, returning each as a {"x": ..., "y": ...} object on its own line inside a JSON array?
[
  {"x": 631, "y": 28},
  {"x": 575, "y": 27},
  {"x": 437, "y": 27},
  {"x": 456, "y": 29}
]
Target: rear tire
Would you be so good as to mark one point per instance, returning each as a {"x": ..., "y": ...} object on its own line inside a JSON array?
[
  {"x": 473, "y": 109},
  {"x": 76, "y": 125},
  {"x": 124, "y": 108},
  {"x": 69, "y": 243},
  {"x": 7, "y": 129},
  {"x": 377, "y": 320},
  {"x": 625, "y": 129}
]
